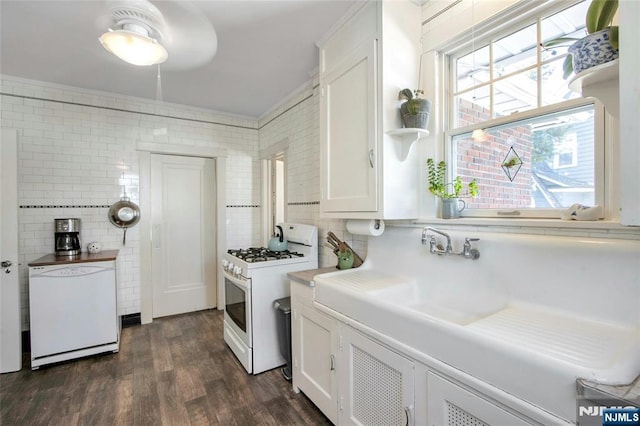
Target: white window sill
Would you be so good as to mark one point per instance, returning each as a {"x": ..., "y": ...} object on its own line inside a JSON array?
[{"x": 600, "y": 228}]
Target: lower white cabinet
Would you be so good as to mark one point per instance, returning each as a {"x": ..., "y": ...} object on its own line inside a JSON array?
[
  {"x": 352, "y": 379},
  {"x": 450, "y": 404},
  {"x": 376, "y": 385},
  {"x": 314, "y": 341},
  {"x": 357, "y": 379}
]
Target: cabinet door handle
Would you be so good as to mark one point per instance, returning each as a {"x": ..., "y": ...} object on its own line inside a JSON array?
[
  {"x": 407, "y": 413},
  {"x": 371, "y": 157},
  {"x": 333, "y": 362}
]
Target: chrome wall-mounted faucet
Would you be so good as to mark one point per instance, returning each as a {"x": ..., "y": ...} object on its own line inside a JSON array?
[
  {"x": 434, "y": 247},
  {"x": 468, "y": 252}
]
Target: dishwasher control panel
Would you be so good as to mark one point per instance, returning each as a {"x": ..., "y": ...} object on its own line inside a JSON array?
[{"x": 71, "y": 270}]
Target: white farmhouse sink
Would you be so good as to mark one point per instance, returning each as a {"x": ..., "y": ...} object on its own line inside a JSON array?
[
  {"x": 460, "y": 309},
  {"x": 396, "y": 292},
  {"x": 522, "y": 348}
]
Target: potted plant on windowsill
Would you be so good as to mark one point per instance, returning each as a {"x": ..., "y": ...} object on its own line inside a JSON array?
[
  {"x": 449, "y": 193},
  {"x": 599, "y": 46},
  {"x": 415, "y": 111}
]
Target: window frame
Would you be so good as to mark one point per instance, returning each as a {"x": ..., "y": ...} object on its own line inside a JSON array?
[
  {"x": 599, "y": 160},
  {"x": 462, "y": 48}
]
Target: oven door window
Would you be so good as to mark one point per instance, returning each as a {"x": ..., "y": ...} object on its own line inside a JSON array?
[{"x": 236, "y": 304}]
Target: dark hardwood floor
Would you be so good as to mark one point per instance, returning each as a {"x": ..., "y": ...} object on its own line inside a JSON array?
[{"x": 175, "y": 371}]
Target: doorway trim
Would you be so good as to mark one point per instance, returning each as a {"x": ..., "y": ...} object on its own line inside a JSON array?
[
  {"x": 145, "y": 149},
  {"x": 266, "y": 157}
]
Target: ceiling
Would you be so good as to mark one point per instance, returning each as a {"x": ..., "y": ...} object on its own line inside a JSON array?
[{"x": 265, "y": 50}]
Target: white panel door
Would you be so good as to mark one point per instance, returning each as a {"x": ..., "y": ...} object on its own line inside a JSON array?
[
  {"x": 183, "y": 234},
  {"x": 10, "y": 338}
]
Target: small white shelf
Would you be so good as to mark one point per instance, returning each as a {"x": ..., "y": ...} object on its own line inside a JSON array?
[
  {"x": 600, "y": 82},
  {"x": 407, "y": 137},
  {"x": 599, "y": 74}
]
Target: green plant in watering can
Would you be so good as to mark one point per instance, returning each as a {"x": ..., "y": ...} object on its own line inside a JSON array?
[{"x": 439, "y": 187}]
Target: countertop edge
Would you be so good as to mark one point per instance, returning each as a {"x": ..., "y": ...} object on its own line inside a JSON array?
[
  {"x": 84, "y": 257},
  {"x": 307, "y": 276}
]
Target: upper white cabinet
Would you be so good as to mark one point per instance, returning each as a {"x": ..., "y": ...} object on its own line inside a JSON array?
[
  {"x": 349, "y": 111},
  {"x": 366, "y": 172},
  {"x": 629, "y": 118}
]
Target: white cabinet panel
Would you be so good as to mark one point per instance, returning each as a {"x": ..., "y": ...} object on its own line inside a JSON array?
[
  {"x": 316, "y": 362},
  {"x": 363, "y": 66},
  {"x": 450, "y": 404},
  {"x": 629, "y": 123},
  {"x": 348, "y": 111},
  {"x": 314, "y": 342},
  {"x": 376, "y": 384}
]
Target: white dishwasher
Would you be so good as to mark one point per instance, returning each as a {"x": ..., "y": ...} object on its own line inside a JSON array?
[{"x": 73, "y": 310}]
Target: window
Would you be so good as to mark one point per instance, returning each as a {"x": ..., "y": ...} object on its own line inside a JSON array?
[
  {"x": 274, "y": 187},
  {"x": 274, "y": 192},
  {"x": 542, "y": 161},
  {"x": 277, "y": 189},
  {"x": 538, "y": 147}
]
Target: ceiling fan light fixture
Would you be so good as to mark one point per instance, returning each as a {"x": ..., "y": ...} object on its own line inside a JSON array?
[{"x": 133, "y": 45}]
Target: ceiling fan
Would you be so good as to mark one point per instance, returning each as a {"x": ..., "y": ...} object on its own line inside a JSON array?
[{"x": 174, "y": 33}]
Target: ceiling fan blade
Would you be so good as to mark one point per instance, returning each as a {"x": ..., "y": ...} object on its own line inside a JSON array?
[{"x": 188, "y": 36}]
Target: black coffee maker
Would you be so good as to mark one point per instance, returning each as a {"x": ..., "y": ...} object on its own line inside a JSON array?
[{"x": 67, "y": 237}]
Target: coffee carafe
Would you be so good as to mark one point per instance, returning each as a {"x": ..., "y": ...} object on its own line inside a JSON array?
[{"x": 67, "y": 237}]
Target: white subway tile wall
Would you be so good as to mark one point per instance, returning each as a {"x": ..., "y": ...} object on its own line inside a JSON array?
[{"x": 77, "y": 155}]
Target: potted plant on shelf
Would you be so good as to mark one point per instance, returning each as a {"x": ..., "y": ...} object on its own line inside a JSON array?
[
  {"x": 449, "y": 193},
  {"x": 415, "y": 111},
  {"x": 599, "y": 46}
]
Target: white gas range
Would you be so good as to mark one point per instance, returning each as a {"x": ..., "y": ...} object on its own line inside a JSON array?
[{"x": 253, "y": 279}]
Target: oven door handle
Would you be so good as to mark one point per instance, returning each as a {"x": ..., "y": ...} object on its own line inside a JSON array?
[{"x": 244, "y": 283}]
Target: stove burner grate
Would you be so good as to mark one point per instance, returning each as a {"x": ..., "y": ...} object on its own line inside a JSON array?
[{"x": 262, "y": 254}]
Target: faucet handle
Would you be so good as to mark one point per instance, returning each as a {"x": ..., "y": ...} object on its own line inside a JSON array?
[
  {"x": 434, "y": 247},
  {"x": 468, "y": 240},
  {"x": 468, "y": 252}
]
